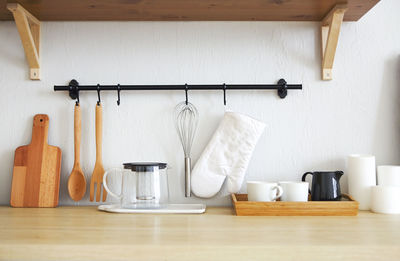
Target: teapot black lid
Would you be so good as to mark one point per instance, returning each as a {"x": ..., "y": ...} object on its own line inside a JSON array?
[{"x": 144, "y": 166}]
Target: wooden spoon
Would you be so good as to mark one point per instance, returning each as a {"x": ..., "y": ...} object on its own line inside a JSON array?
[
  {"x": 76, "y": 180},
  {"x": 98, "y": 172}
]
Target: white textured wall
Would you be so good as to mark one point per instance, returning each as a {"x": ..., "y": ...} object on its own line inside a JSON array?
[{"x": 313, "y": 129}]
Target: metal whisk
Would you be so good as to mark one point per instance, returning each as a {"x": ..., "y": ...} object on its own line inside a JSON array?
[{"x": 186, "y": 120}]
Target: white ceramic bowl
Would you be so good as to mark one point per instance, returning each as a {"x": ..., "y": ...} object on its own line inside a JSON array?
[{"x": 385, "y": 199}]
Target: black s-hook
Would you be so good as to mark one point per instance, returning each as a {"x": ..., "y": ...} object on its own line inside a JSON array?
[
  {"x": 98, "y": 95},
  {"x": 119, "y": 97},
  {"x": 224, "y": 89},
  {"x": 77, "y": 96},
  {"x": 186, "y": 93}
]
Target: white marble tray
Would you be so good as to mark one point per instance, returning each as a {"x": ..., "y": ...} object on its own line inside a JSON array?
[{"x": 168, "y": 209}]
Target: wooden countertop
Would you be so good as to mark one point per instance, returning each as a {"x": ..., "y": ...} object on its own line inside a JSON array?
[{"x": 78, "y": 233}]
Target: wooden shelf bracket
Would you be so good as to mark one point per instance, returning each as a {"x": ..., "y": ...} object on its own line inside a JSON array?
[
  {"x": 29, "y": 30},
  {"x": 330, "y": 30}
]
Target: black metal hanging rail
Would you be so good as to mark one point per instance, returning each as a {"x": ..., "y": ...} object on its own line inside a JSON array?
[{"x": 74, "y": 88}]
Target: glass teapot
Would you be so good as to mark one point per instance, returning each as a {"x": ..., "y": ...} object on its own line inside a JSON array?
[{"x": 142, "y": 185}]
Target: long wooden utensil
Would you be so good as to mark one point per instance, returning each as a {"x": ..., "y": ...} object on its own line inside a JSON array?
[
  {"x": 36, "y": 174},
  {"x": 76, "y": 180},
  {"x": 98, "y": 172}
]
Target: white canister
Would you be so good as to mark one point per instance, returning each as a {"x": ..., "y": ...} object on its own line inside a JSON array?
[
  {"x": 361, "y": 174},
  {"x": 385, "y": 199}
]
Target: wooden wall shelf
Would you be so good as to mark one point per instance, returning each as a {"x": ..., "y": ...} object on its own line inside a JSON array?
[
  {"x": 187, "y": 10},
  {"x": 330, "y": 13}
]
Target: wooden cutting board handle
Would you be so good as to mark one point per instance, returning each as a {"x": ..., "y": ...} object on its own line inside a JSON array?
[{"x": 40, "y": 129}]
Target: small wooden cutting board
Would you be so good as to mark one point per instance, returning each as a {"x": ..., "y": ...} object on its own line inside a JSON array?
[{"x": 36, "y": 174}]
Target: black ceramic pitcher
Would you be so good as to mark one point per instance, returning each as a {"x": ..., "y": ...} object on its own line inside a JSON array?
[{"x": 325, "y": 185}]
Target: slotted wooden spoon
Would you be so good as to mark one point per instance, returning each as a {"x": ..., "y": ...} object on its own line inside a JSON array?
[
  {"x": 98, "y": 172},
  {"x": 76, "y": 180}
]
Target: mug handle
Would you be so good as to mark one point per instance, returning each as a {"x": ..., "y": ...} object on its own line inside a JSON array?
[
  {"x": 280, "y": 192},
  {"x": 303, "y": 178},
  {"x": 106, "y": 186}
]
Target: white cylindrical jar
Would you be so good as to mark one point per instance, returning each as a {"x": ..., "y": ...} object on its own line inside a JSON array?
[{"x": 361, "y": 174}]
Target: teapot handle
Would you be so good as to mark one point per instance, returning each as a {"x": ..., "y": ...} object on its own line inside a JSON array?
[
  {"x": 105, "y": 184},
  {"x": 303, "y": 178}
]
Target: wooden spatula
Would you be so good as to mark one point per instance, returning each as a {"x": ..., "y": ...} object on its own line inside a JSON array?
[
  {"x": 36, "y": 174},
  {"x": 98, "y": 172},
  {"x": 76, "y": 180}
]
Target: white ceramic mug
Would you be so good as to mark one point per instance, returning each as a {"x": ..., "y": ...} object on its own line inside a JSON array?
[
  {"x": 294, "y": 191},
  {"x": 385, "y": 199},
  {"x": 389, "y": 175},
  {"x": 263, "y": 191}
]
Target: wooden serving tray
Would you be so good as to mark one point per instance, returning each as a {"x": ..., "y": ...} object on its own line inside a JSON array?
[{"x": 346, "y": 207}]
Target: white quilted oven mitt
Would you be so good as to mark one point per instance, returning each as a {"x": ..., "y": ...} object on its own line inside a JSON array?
[{"x": 227, "y": 155}]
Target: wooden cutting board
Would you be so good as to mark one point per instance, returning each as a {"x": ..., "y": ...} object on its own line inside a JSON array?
[{"x": 36, "y": 174}]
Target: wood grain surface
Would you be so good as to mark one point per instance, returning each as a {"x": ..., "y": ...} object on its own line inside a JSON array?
[
  {"x": 188, "y": 10},
  {"x": 36, "y": 174},
  {"x": 76, "y": 179},
  {"x": 98, "y": 172},
  {"x": 29, "y": 31},
  {"x": 84, "y": 233}
]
